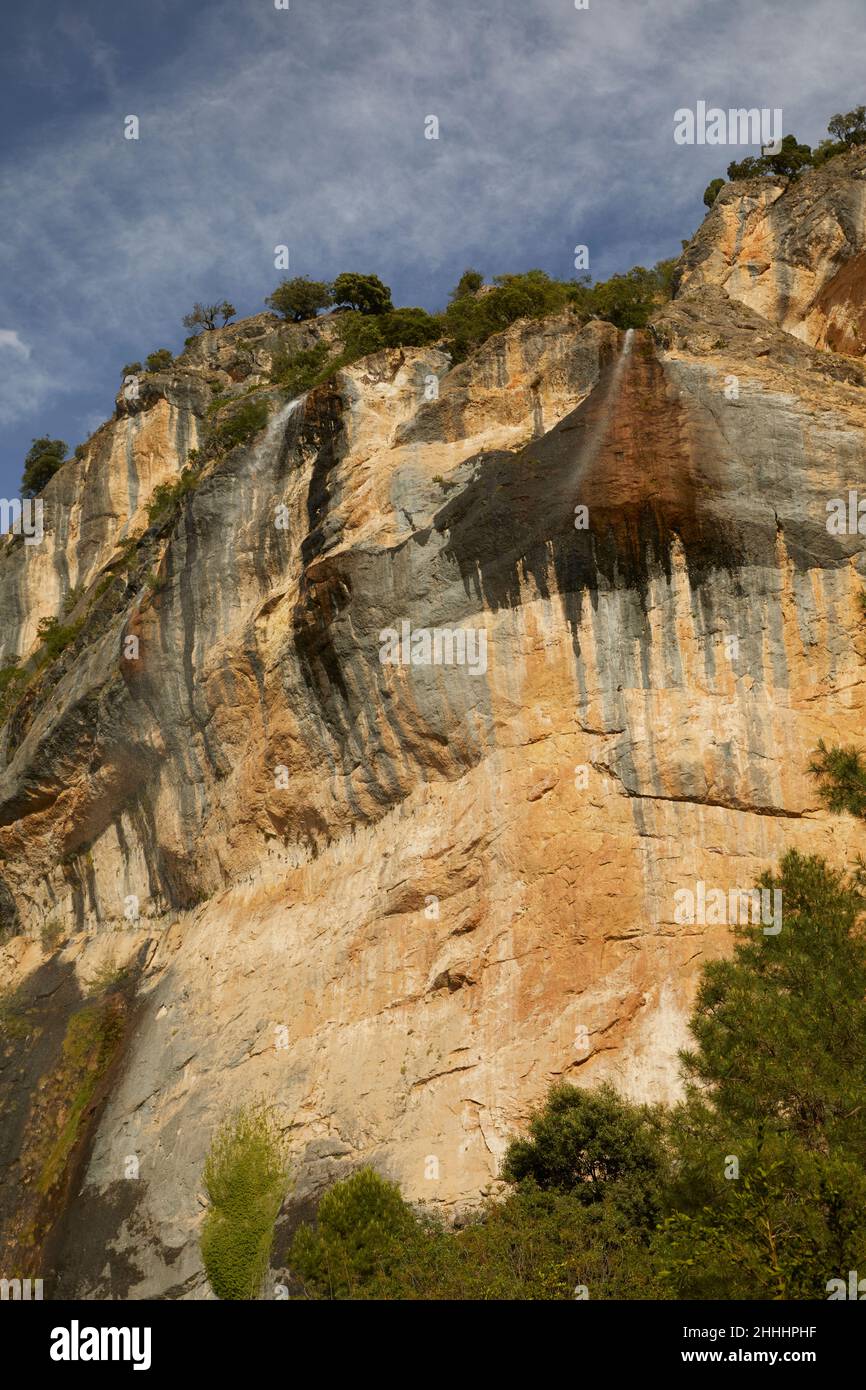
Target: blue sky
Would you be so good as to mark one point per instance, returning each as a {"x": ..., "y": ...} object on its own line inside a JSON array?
[{"x": 305, "y": 126}]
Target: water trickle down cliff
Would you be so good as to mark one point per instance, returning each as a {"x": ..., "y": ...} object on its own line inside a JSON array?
[{"x": 398, "y": 900}]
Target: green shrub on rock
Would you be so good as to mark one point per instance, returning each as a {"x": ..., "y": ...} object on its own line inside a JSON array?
[
  {"x": 362, "y": 1226},
  {"x": 167, "y": 498},
  {"x": 410, "y": 327},
  {"x": 299, "y": 371},
  {"x": 158, "y": 361},
  {"x": 246, "y": 1179},
  {"x": 240, "y": 427}
]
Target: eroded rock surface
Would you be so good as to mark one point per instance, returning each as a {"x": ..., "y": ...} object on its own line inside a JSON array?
[
  {"x": 794, "y": 252},
  {"x": 398, "y": 900}
]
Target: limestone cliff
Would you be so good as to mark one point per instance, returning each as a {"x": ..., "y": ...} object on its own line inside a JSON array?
[
  {"x": 398, "y": 899},
  {"x": 795, "y": 252}
]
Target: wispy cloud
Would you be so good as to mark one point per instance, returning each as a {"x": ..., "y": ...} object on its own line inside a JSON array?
[{"x": 11, "y": 342}]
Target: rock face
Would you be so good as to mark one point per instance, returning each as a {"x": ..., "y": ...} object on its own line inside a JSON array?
[
  {"x": 397, "y": 897},
  {"x": 796, "y": 253}
]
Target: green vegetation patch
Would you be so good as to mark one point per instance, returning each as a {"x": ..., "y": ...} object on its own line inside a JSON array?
[
  {"x": 44, "y": 457},
  {"x": 167, "y": 499},
  {"x": 362, "y": 1225},
  {"x": 55, "y": 637},
  {"x": 246, "y": 1179},
  {"x": 13, "y": 682},
  {"x": 240, "y": 427},
  {"x": 14, "y": 1023},
  {"x": 299, "y": 371},
  {"x": 52, "y": 935},
  {"x": 92, "y": 1039}
]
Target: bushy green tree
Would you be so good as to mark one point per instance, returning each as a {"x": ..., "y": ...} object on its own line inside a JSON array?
[
  {"x": 596, "y": 1146},
  {"x": 299, "y": 298},
  {"x": 469, "y": 321},
  {"x": 531, "y": 294},
  {"x": 409, "y": 327},
  {"x": 627, "y": 300},
  {"x": 531, "y": 1245},
  {"x": 827, "y": 149},
  {"x": 751, "y": 167},
  {"x": 781, "y": 1226},
  {"x": 245, "y": 1178},
  {"x": 767, "y": 1197},
  {"x": 535, "y": 1244},
  {"x": 42, "y": 461},
  {"x": 360, "y": 335},
  {"x": 363, "y": 1228},
  {"x": 788, "y": 163},
  {"x": 366, "y": 293},
  {"x": 712, "y": 191},
  {"x": 469, "y": 284},
  {"x": 791, "y": 159},
  {"x": 132, "y": 369},
  {"x": 158, "y": 361},
  {"x": 299, "y": 371}
]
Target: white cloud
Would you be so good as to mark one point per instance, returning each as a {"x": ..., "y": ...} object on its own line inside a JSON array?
[{"x": 11, "y": 342}]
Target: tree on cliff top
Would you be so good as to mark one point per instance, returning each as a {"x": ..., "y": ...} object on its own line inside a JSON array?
[
  {"x": 470, "y": 283},
  {"x": 205, "y": 315},
  {"x": 789, "y": 163},
  {"x": 366, "y": 293},
  {"x": 628, "y": 300},
  {"x": 300, "y": 298},
  {"x": 44, "y": 457},
  {"x": 158, "y": 361},
  {"x": 849, "y": 128}
]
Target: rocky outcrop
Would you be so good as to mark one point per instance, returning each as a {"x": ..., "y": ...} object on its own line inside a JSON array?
[
  {"x": 393, "y": 896},
  {"x": 795, "y": 252}
]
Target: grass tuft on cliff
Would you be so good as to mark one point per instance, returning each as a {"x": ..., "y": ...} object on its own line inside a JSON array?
[{"x": 246, "y": 1178}]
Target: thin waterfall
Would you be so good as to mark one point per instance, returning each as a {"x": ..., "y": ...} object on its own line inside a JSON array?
[
  {"x": 275, "y": 428},
  {"x": 591, "y": 446}
]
